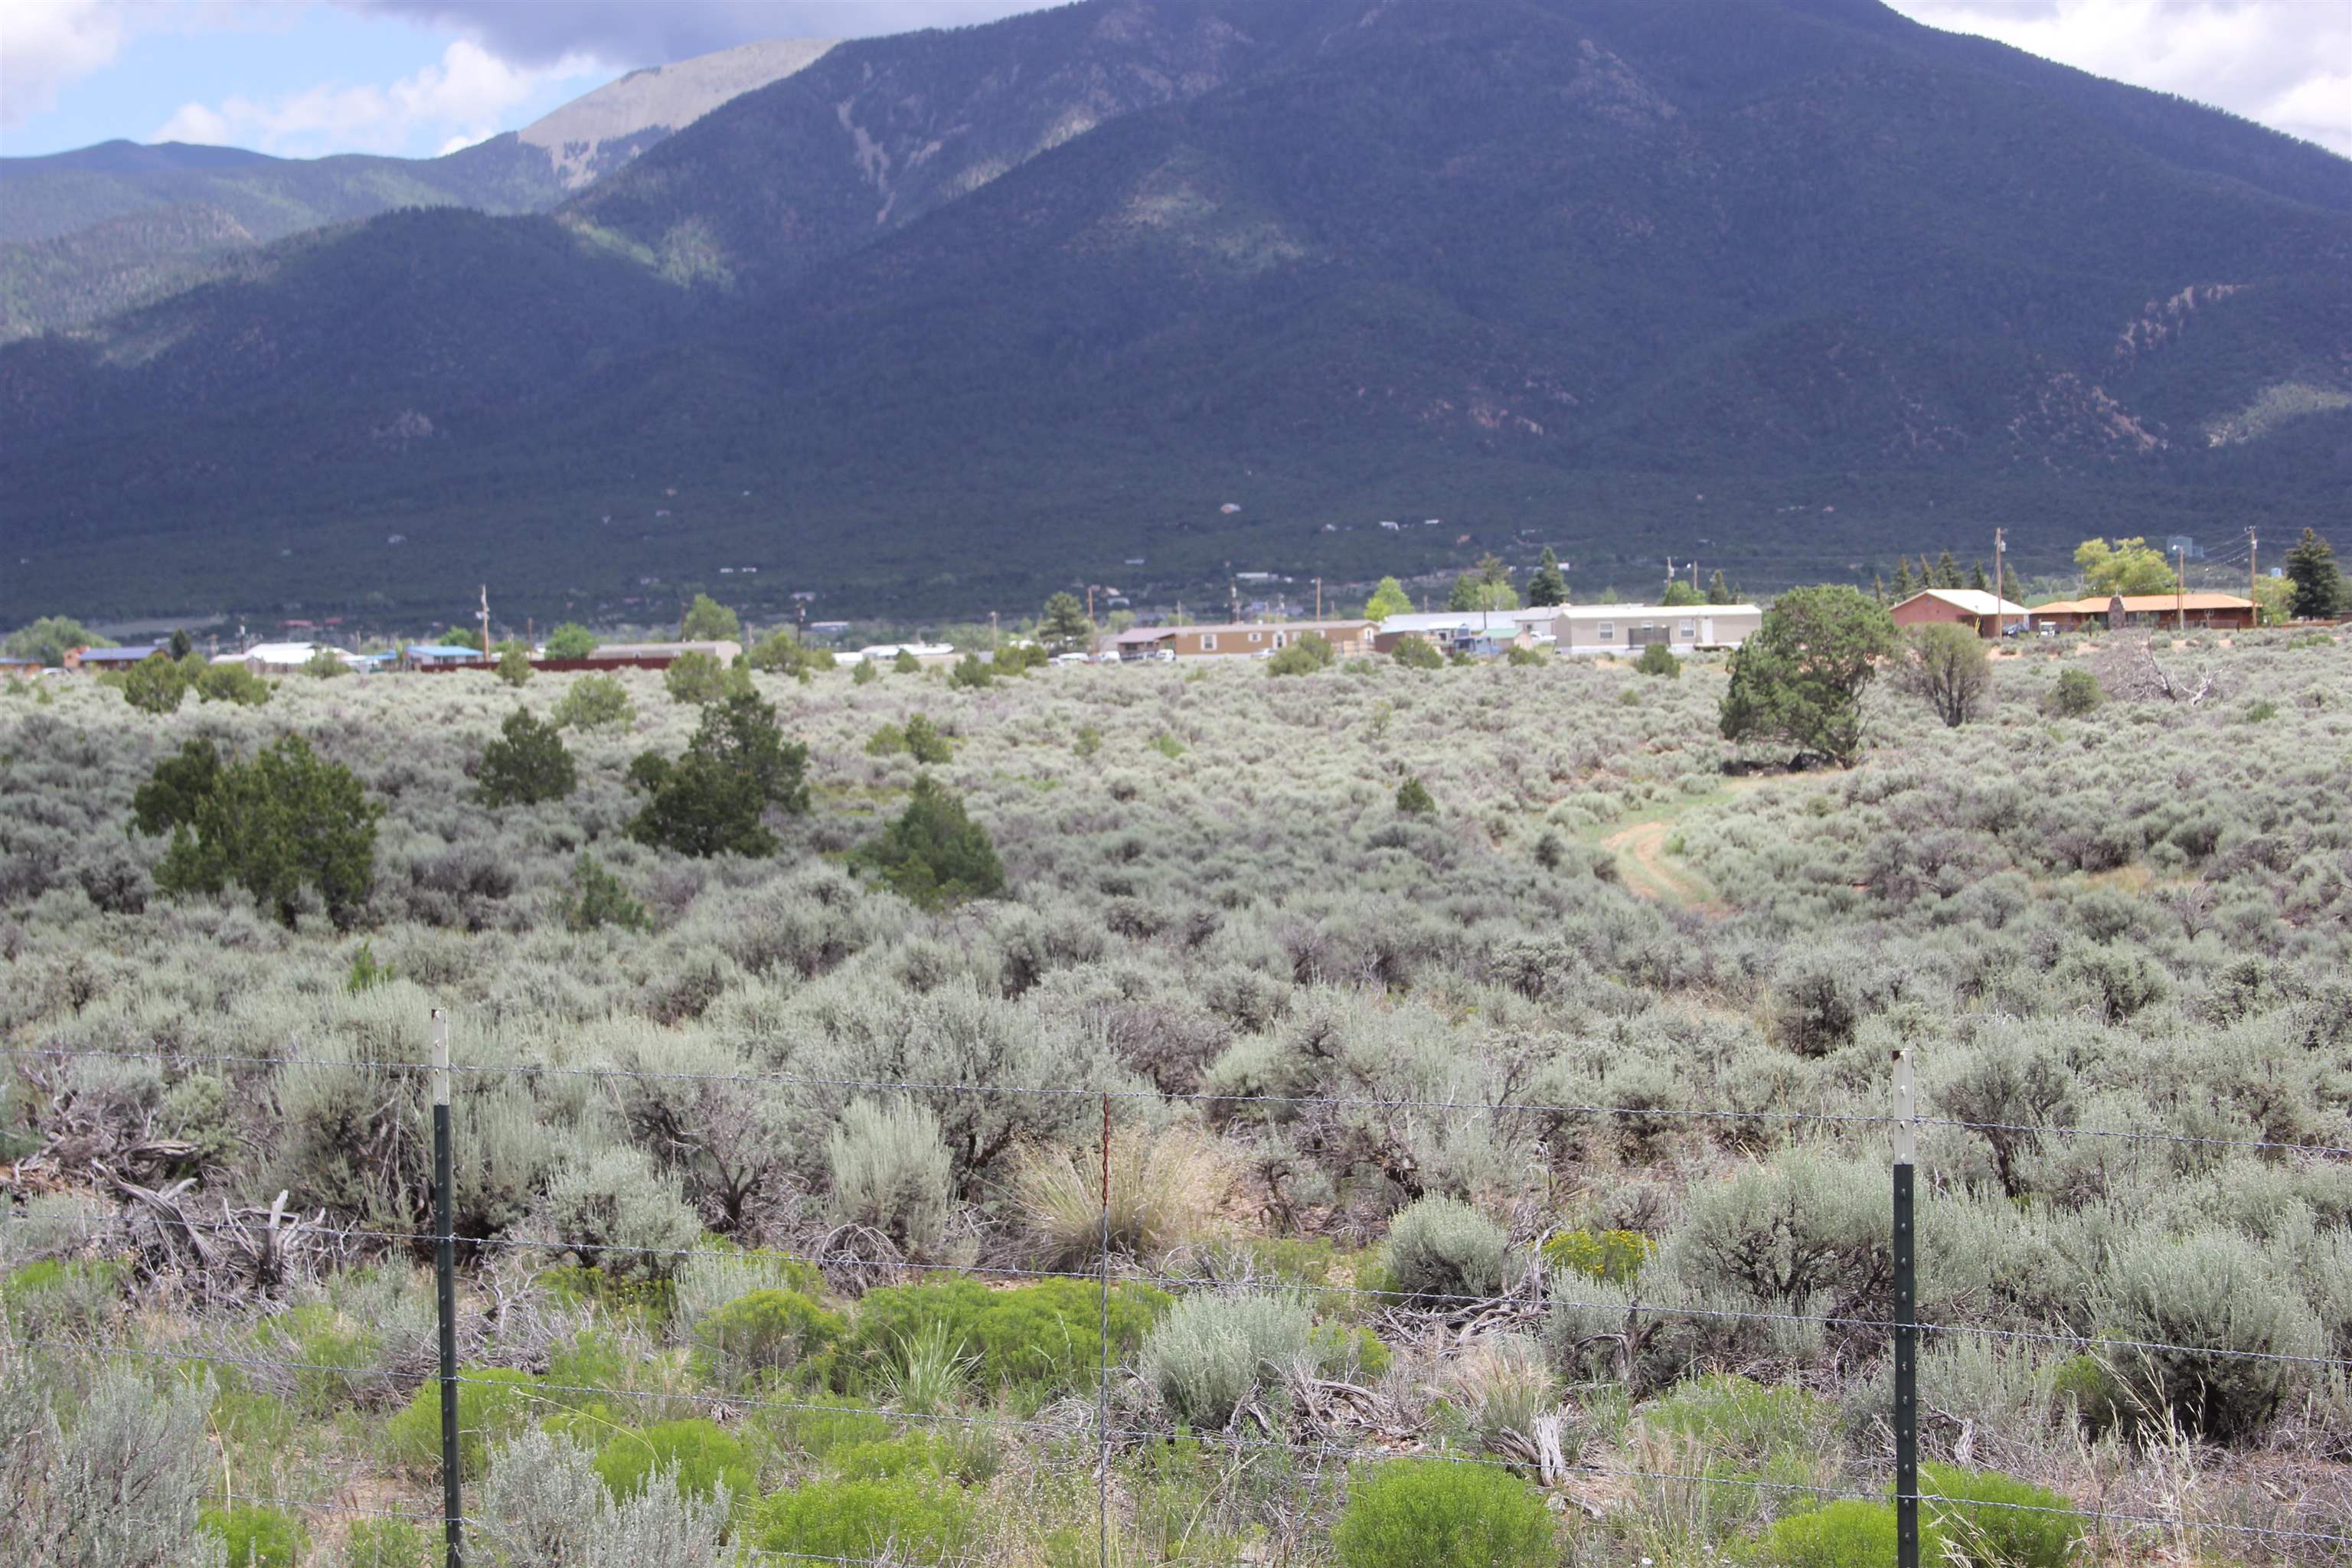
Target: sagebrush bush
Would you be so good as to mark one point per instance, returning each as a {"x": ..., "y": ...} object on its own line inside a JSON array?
[
  {"x": 1443, "y": 1251},
  {"x": 891, "y": 1171},
  {"x": 114, "y": 1481},
  {"x": 1427, "y": 1513},
  {"x": 2209, "y": 1289},
  {"x": 1211, "y": 1353},
  {"x": 614, "y": 1211}
]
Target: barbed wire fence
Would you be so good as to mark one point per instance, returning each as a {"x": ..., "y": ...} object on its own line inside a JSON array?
[{"x": 1472, "y": 1315}]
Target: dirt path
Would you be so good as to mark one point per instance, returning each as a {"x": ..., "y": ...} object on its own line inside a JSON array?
[{"x": 1646, "y": 869}]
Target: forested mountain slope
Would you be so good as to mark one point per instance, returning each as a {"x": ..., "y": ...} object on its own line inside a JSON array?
[
  {"x": 91, "y": 232},
  {"x": 1800, "y": 284}
]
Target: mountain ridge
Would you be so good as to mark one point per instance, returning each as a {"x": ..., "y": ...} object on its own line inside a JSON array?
[
  {"x": 1623, "y": 278},
  {"x": 82, "y": 236}
]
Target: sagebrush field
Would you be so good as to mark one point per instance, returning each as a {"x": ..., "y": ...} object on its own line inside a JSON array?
[{"x": 1499, "y": 1174}]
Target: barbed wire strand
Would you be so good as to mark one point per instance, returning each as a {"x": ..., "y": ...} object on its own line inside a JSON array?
[
  {"x": 1403, "y": 1299},
  {"x": 1196, "y": 1097},
  {"x": 1328, "y": 1451}
]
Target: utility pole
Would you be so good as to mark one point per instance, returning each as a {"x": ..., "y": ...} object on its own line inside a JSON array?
[
  {"x": 485, "y": 620},
  {"x": 993, "y": 645},
  {"x": 1232, "y": 602},
  {"x": 2179, "y": 588},
  {"x": 1318, "y": 598},
  {"x": 2000, "y": 595},
  {"x": 2254, "y": 571}
]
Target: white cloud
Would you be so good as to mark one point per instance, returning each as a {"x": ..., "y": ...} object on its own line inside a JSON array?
[
  {"x": 463, "y": 98},
  {"x": 45, "y": 44},
  {"x": 2280, "y": 62}
]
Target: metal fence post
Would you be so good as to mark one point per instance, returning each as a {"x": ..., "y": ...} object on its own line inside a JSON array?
[
  {"x": 445, "y": 1273},
  {"x": 1906, "y": 1321},
  {"x": 1102, "y": 1372}
]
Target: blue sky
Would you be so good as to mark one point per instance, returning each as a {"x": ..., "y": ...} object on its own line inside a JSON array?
[{"x": 304, "y": 77}]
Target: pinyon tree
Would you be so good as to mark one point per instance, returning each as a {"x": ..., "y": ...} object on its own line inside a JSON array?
[{"x": 1800, "y": 679}]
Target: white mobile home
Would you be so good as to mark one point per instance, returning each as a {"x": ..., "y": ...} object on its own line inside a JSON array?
[{"x": 1630, "y": 628}]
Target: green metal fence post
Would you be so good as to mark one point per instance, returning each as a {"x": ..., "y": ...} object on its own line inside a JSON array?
[
  {"x": 1906, "y": 1328},
  {"x": 445, "y": 1274}
]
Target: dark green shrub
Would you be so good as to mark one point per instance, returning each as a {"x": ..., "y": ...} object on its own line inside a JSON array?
[
  {"x": 526, "y": 765},
  {"x": 700, "y": 679},
  {"x": 864, "y": 673},
  {"x": 1043, "y": 1336},
  {"x": 904, "y": 662},
  {"x": 571, "y": 641},
  {"x": 766, "y": 1331},
  {"x": 1999, "y": 1522},
  {"x": 1416, "y": 652},
  {"x": 514, "y": 663},
  {"x": 711, "y": 800},
  {"x": 1659, "y": 659},
  {"x": 919, "y": 1519},
  {"x": 1310, "y": 653},
  {"x": 1413, "y": 799},
  {"x": 1441, "y": 1249},
  {"x": 155, "y": 685},
  {"x": 285, "y": 821},
  {"x": 700, "y": 1454},
  {"x": 970, "y": 674},
  {"x": 232, "y": 683},
  {"x": 707, "y": 620},
  {"x": 1434, "y": 1513},
  {"x": 2077, "y": 693},
  {"x": 1799, "y": 681},
  {"x": 1815, "y": 1008},
  {"x": 925, "y": 744},
  {"x": 2101, "y": 1402},
  {"x": 934, "y": 854},
  {"x": 595, "y": 702},
  {"x": 1846, "y": 1534},
  {"x": 493, "y": 1403},
  {"x": 257, "y": 1537},
  {"x": 598, "y": 898}
]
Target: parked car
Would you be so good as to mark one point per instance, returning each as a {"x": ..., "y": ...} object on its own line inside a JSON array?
[{"x": 1068, "y": 659}]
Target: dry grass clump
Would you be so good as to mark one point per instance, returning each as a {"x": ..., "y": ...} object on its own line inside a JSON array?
[{"x": 1167, "y": 1189}]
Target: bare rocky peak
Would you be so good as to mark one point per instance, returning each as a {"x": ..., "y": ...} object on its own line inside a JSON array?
[{"x": 582, "y": 137}]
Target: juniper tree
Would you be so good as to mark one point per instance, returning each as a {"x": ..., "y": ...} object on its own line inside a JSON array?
[{"x": 1800, "y": 678}]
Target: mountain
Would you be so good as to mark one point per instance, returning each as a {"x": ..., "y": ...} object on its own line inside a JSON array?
[
  {"x": 87, "y": 234},
  {"x": 947, "y": 320}
]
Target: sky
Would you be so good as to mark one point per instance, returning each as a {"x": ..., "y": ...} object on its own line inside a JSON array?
[{"x": 418, "y": 78}]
